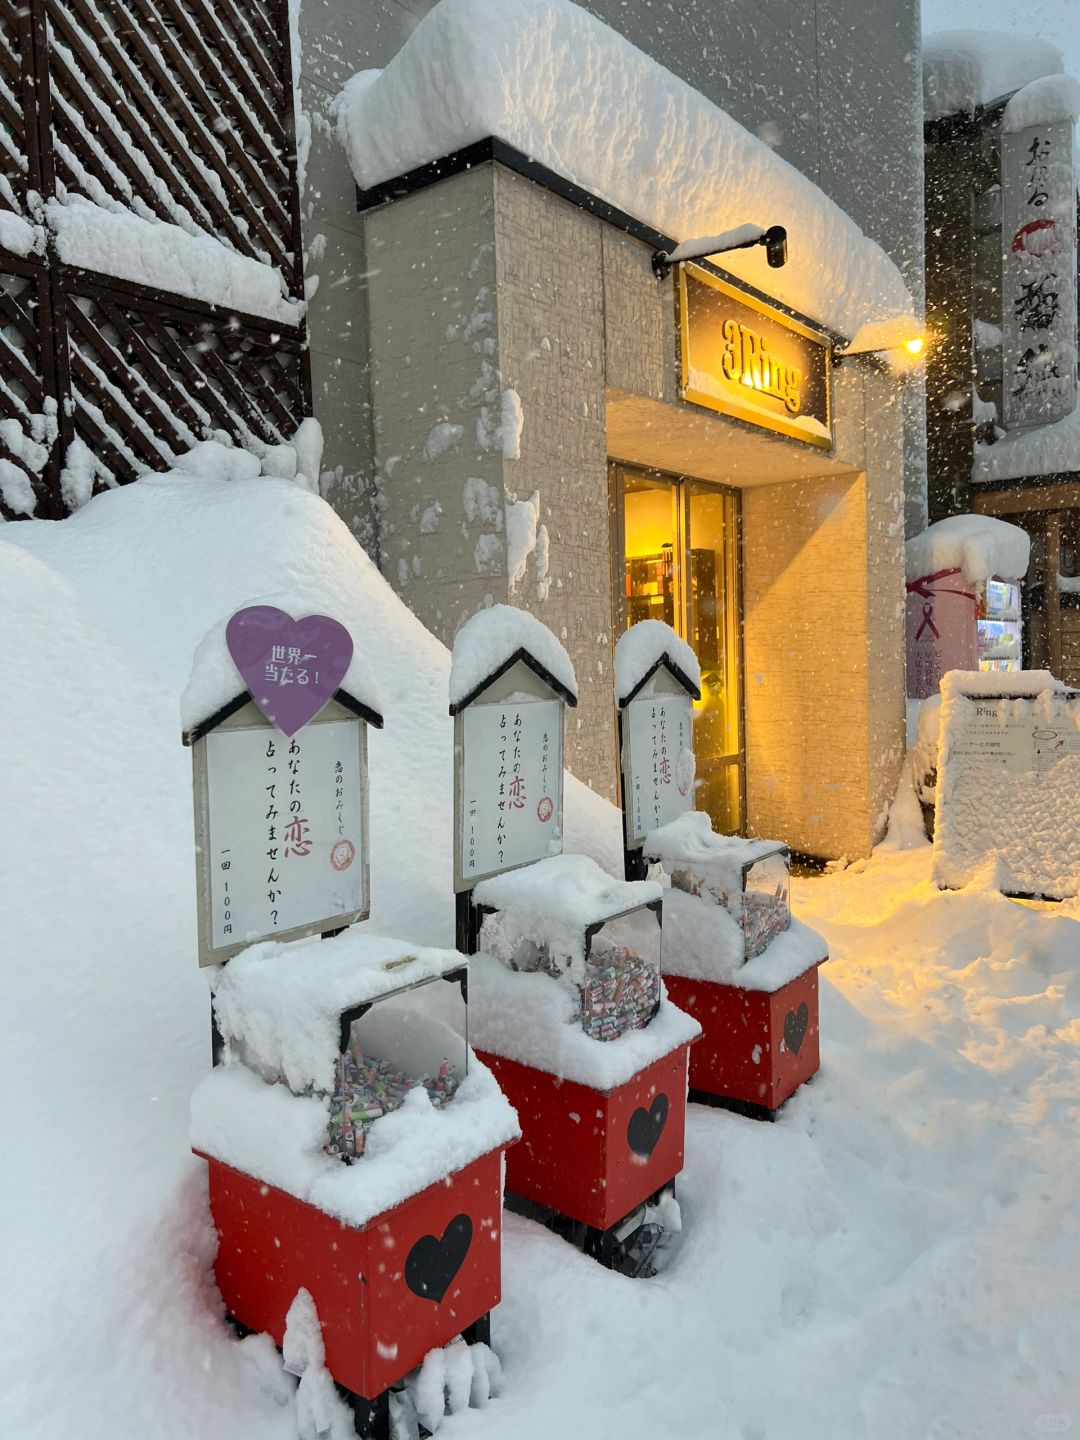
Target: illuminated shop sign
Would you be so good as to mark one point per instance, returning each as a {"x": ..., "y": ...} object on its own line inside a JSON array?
[{"x": 742, "y": 358}]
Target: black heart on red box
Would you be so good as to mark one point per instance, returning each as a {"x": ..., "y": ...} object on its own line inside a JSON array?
[
  {"x": 795, "y": 1023},
  {"x": 646, "y": 1126},
  {"x": 433, "y": 1263}
]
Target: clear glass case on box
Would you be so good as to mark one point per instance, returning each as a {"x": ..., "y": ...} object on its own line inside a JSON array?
[
  {"x": 622, "y": 974},
  {"x": 621, "y": 988},
  {"x": 766, "y": 900},
  {"x": 391, "y": 1047},
  {"x": 755, "y": 892}
]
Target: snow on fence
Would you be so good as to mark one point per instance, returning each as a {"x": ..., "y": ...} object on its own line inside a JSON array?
[{"x": 170, "y": 306}]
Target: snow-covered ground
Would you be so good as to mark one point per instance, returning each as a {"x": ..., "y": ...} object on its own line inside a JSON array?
[{"x": 894, "y": 1258}]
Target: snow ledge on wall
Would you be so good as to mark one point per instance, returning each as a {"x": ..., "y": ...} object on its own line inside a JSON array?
[
  {"x": 966, "y": 69},
  {"x": 163, "y": 256},
  {"x": 565, "y": 89},
  {"x": 1045, "y": 450}
]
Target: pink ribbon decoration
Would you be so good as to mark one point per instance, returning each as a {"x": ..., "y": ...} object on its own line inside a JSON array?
[{"x": 928, "y": 619}]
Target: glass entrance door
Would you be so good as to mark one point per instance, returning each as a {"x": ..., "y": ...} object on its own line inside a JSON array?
[{"x": 675, "y": 558}]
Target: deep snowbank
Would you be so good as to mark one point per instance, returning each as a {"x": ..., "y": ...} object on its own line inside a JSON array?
[
  {"x": 104, "y": 1030},
  {"x": 890, "y": 1259}
]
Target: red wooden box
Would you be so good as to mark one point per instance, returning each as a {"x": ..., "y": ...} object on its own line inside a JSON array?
[
  {"x": 594, "y": 1155},
  {"x": 407, "y": 1282},
  {"x": 757, "y": 1046}
]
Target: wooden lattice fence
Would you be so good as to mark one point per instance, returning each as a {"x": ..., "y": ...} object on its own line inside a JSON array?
[{"x": 178, "y": 114}]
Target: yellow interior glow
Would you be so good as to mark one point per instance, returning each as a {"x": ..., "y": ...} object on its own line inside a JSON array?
[{"x": 915, "y": 346}]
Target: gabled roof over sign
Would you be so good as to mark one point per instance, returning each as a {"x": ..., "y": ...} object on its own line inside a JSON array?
[
  {"x": 524, "y": 657},
  {"x": 215, "y": 691},
  {"x": 493, "y": 641},
  {"x": 243, "y": 697},
  {"x": 640, "y": 653}
]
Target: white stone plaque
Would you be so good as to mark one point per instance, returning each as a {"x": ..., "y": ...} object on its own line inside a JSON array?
[
  {"x": 284, "y": 842},
  {"x": 510, "y": 810},
  {"x": 659, "y": 763},
  {"x": 1008, "y": 791}
]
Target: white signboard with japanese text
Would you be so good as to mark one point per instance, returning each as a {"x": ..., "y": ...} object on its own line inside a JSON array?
[
  {"x": 1038, "y": 291},
  {"x": 282, "y": 830},
  {"x": 658, "y": 763},
  {"x": 509, "y": 787},
  {"x": 1017, "y": 742}
]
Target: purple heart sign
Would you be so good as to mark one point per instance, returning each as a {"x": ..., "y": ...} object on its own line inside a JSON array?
[{"x": 291, "y": 667}]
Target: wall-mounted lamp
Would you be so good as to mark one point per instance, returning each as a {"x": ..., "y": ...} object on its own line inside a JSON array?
[
  {"x": 742, "y": 238},
  {"x": 900, "y": 343}
]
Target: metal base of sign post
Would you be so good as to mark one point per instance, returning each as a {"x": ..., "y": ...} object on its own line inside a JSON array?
[
  {"x": 371, "y": 1418},
  {"x": 628, "y": 1246},
  {"x": 634, "y": 865},
  {"x": 479, "y": 1332},
  {"x": 746, "y": 1108},
  {"x": 467, "y": 923}
]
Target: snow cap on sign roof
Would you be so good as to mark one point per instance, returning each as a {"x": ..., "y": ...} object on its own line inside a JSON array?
[
  {"x": 979, "y": 545},
  {"x": 966, "y": 69},
  {"x": 488, "y": 642},
  {"x": 1053, "y": 100},
  {"x": 563, "y": 88},
  {"x": 214, "y": 681},
  {"x": 640, "y": 649}
]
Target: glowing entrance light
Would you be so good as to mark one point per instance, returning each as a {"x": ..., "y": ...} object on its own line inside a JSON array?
[{"x": 900, "y": 342}]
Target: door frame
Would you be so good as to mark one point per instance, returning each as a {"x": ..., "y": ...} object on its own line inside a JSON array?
[{"x": 680, "y": 484}]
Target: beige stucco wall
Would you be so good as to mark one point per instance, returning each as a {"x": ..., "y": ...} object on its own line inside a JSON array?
[
  {"x": 485, "y": 284},
  {"x": 434, "y": 365},
  {"x": 550, "y": 306},
  {"x": 823, "y": 635}
]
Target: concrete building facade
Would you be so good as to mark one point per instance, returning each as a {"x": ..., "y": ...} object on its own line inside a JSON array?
[{"x": 497, "y": 371}]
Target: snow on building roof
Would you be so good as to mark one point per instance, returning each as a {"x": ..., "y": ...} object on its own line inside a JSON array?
[
  {"x": 489, "y": 641},
  {"x": 571, "y": 93},
  {"x": 966, "y": 69},
  {"x": 641, "y": 648},
  {"x": 214, "y": 680},
  {"x": 979, "y": 545},
  {"x": 283, "y": 1001},
  {"x": 1050, "y": 100},
  {"x": 161, "y": 255},
  {"x": 1045, "y": 450},
  {"x": 532, "y": 1018}
]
